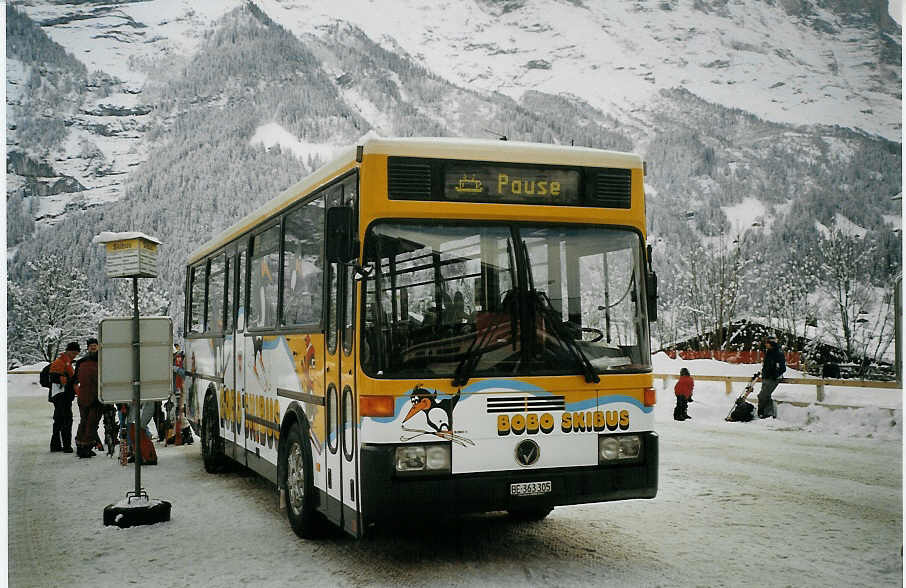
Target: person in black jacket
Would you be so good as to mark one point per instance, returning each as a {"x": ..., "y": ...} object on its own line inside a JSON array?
[{"x": 772, "y": 369}]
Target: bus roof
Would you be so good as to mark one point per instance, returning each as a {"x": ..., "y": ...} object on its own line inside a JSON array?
[
  {"x": 429, "y": 147},
  {"x": 503, "y": 151}
]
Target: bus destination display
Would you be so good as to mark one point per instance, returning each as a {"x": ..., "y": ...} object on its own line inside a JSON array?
[{"x": 515, "y": 185}]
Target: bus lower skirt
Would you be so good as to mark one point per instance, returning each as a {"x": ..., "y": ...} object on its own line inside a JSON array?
[{"x": 390, "y": 498}]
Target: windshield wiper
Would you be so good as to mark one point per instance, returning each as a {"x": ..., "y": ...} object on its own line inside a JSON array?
[
  {"x": 544, "y": 306},
  {"x": 482, "y": 342},
  {"x": 469, "y": 361}
]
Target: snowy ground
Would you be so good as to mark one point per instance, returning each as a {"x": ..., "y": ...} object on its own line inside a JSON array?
[{"x": 767, "y": 503}]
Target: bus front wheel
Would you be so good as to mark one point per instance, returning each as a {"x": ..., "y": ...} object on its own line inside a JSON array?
[
  {"x": 299, "y": 484},
  {"x": 211, "y": 443}
]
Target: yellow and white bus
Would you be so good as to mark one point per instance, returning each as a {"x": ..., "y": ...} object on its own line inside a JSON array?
[{"x": 444, "y": 324}]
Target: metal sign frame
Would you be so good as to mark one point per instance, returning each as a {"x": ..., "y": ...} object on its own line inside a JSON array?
[{"x": 115, "y": 359}]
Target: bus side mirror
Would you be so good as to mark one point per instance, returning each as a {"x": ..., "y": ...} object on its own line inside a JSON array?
[
  {"x": 651, "y": 289},
  {"x": 341, "y": 242}
]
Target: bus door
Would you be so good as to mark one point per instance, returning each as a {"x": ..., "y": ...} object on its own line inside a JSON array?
[
  {"x": 341, "y": 412},
  {"x": 233, "y": 381},
  {"x": 244, "y": 350}
]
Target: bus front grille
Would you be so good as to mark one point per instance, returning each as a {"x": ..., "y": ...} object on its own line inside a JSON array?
[{"x": 526, "y": 403}]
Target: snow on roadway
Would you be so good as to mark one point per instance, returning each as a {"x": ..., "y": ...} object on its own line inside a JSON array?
[{"x": 766, "y": 503}]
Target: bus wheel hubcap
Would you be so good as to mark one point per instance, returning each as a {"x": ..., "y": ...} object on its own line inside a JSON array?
[{"x": 295, "y": 478}]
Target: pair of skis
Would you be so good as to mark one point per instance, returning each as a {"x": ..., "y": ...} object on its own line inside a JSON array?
[{"x": 750, "y": 387}]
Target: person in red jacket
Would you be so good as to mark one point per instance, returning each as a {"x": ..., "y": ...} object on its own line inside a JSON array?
[
  {"x": 86, "y": 375},
  {"x": 683, "y": 391},
  {"x": 62, "y": 393}
]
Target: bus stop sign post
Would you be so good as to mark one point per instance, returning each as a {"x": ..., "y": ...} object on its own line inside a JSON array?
[
  {"x": 136, "y": 390},
  {"x": 128, "y": 256}
]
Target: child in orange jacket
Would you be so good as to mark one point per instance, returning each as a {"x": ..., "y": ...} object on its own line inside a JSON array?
[{"x": 683, "y": 391}]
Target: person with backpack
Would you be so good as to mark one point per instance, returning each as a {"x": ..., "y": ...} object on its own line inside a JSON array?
[
  {"x": 683, "y": 392},
  {"x": 86, "y": 377},
  {"x": 772, "y": 369},
  {"x": 62, "y": 392}
]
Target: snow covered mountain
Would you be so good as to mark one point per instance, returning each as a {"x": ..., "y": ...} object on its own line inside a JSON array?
[
  {"x": 176, "y": 117},
  {"x": 793, "y": 62}
]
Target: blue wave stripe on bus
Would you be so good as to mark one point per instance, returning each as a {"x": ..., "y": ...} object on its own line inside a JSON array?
[
  {"x": 588, "y": 404},
  {"x": 516, "y": 385},
  {"x": 601, "y": 402}
]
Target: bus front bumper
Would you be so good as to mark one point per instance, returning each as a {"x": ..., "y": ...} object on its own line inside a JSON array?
[{"x": 386, "y": 496}]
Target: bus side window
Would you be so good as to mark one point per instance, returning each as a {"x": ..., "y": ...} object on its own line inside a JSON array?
[
  {"x": 196, "y": 318},
  {"x": 240, "y": 290},
  {"x": 334, "y": 197},
  {"x": 303, "y": 264},
  {"x": 332, "y": 307},
  {"x": 265, "y": 271},
  {"x": 216, "y": 283},
  {"x": 228, "y": 296}
]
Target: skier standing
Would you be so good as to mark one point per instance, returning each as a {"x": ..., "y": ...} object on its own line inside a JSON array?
[
  {"x": 683, "y": 392},
  {"x": 772, "y": 369},
  {"x": 86, "y": 375},
  {"x": 62, "y": 394}
]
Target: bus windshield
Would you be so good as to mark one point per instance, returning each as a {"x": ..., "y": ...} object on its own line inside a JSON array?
[{"x": 503, "y": 300}]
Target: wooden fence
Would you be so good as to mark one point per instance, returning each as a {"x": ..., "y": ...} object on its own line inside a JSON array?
[{"x": 818, "y": 383}]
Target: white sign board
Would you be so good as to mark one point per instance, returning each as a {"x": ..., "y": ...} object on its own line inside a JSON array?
[
  {"x": 131, "y": 258},
  {"x": 115, "y": 365}
]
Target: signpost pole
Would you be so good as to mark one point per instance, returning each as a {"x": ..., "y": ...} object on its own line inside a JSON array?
[
  {"x": 136, "y": 388},
  {"x": 134, "y": 255}
]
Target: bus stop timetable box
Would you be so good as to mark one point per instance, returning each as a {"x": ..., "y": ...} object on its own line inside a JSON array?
[
  {"x": 115, "y": 359},
  {"x": 129, "y": 255}
]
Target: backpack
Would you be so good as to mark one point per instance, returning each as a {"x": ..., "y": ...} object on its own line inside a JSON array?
[
  {"x": 743, "y": 412},
  {"x": 44, "y": 379}
]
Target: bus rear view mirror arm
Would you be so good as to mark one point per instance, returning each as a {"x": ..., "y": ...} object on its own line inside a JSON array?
[{"x": 651, "y": 288}]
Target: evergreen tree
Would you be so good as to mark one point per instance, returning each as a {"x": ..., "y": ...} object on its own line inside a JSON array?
[
  {"x": 152, "y": 301},
  {"x": 48, "y": 311}
]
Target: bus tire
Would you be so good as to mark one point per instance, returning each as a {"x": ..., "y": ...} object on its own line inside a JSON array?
[
  {"x": 298, "y": 482},
  {"x": 211, "y": 443},
  {"x": 530, "y": 514}
]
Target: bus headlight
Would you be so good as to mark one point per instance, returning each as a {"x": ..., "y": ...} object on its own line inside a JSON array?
[
  {"x": 613, "y": 448},
  {"x": 422, "y": 458},
  {"x": 437, "y": 457}
]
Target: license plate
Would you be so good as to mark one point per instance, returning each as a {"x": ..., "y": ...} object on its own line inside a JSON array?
[{"x": 530, "y": 488}]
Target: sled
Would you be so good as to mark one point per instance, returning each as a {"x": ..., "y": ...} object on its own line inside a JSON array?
[
  {"x": 750, "y": 387},
  {"x": 149, "y": 454}
]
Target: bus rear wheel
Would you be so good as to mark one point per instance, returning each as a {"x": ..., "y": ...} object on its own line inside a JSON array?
[
  {"x": 299, "y": 484},
  {"x": 211, "y": 443}
]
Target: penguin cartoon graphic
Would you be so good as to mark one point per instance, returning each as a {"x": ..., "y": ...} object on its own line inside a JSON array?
[
  {"x": 438, "y": 416},
  {"x": 308, "y": 363}
]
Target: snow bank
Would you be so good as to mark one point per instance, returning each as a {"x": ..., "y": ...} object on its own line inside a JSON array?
[
  {"x": 870, "y": 421},
  {"x": 27, "y": 369},
  {"x": 879, "y": 413}
]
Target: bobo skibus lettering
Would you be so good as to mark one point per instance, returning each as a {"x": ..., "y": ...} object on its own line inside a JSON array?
[
  {"x": 261, "y": 416},
  {"x": 570, "y": 422}
]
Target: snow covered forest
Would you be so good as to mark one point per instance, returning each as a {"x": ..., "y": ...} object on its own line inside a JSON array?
[{"x": 796, "y": 225}]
